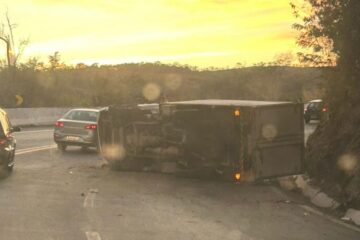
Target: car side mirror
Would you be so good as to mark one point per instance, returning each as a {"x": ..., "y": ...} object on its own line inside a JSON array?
[{"x": 15, "y": 129}]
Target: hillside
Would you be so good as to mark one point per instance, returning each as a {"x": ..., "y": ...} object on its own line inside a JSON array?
[{"x": 105, "y": 85}]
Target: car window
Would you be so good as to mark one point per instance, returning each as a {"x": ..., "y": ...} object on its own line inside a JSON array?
[
  {"x": 310, "y": 105},
  {"x": 1, "y": 128},
  {"x": 76, "y": 115},
  {"x": 5, "y": 124},
  {"x": 315, "y": 105}
]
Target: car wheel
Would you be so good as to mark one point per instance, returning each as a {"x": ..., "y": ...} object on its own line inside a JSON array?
[
  {"x": 12, "y": 159},
  {"x": 61, "y": 147},
  {"x": 5, "y": 169}
]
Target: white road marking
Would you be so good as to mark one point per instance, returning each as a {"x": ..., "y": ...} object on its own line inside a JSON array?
[
  {"x": 35, "y": 131},
  {"x": 34, "y": 149},
  {"x": 90, "y": 198},
  {"x": 92, "y": 236}
]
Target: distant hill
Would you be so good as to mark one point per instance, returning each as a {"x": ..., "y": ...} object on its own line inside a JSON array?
[{"x": 132, "y": 83}]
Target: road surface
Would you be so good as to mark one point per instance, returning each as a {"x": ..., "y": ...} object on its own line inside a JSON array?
[{"x": 69, "y": 196}]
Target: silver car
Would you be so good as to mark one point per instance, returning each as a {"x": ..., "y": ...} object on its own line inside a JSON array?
[{"x": 78, "y": 127}]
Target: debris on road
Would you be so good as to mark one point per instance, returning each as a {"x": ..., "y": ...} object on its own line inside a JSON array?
[
  {"x": 324, "y": 201},
  {"x": 316, "y": 196},
  {"x": 287, "y": 183},
  {"x": 93, "y": 190},
  {"x": 104, "y": 164},
  {"x": 353, "y": 215},
  {"x": 284, "y": 201}
]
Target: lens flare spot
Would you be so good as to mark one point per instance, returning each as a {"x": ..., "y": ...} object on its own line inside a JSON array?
[
  {"x": 269, "y": 131},
  {"x": 173, "y": 81},
  {"x": 347, "y": 162},
  {"x": 151, "y": 91},
  {"x": 114, "y": 152}
]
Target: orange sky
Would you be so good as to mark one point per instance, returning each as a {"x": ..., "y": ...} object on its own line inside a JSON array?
[{"x": 204, "y": 33}]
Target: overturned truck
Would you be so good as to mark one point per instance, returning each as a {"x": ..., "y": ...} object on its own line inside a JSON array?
[{"x": 229, "y": 139}]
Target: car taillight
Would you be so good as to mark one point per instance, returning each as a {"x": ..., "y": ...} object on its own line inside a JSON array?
[
  {"x": 324, "y": 110},
  {"x": 59, "y": 124},
  {"x": 91, "y": 126},
  {"x": 2, "y": 141}
]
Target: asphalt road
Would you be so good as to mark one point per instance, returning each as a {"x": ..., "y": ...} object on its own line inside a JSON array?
[{"x": 69, "y": 196}]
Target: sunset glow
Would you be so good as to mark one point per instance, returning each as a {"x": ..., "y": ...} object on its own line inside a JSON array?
[{"x": 204, "y": 33}]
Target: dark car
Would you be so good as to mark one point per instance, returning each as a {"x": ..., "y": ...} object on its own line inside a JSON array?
[
  {"x": 7, "y": 142},
  {"x": 78, "y": 127},
  {"x": 315, "y": 110}
]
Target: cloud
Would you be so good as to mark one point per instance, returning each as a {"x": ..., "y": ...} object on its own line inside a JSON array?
[
  {"x": 284, "y": 35},
  {"x": 143, "y": 30},
  {"x": 137, "y": 59}
]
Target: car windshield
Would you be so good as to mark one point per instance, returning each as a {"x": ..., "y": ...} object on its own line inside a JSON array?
[
  {"x": 315, "y": 104},
  {"x": 81, "y": 115}
]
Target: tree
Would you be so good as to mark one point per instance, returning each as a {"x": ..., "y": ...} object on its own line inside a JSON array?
[
  {"x": 284, "y": 59},
  {"x": 54, "y": 60},
  {"x": 331, "y": 30},
  {"x": 34, "y": 64},
  {"x": 13, "y": 51}
]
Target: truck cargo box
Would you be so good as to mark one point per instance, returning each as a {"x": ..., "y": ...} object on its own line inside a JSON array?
[
  {"x": 264, "y": 139},
  {"x": 246, "y": 139}
]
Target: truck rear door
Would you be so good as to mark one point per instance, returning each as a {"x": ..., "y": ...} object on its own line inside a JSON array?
[{"x": 279, "y": 147}]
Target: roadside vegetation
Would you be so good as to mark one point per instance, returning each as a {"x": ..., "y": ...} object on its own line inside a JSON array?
[
  {"x": 330, "y": 31},
  {"x": 55, "y": 84}
]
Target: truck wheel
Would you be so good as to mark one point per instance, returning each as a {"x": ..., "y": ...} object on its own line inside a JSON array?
[{"x": 61, "y": 147}]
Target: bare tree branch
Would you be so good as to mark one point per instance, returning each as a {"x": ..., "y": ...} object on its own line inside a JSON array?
[
  {"x": 11, "y": 27},
  {"x": 8, "y": 49}
]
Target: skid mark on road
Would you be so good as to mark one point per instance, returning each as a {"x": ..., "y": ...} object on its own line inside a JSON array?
[
  {"x": 90, "y": 198},
  {"x": 34, "y": 149},
  {"x": 92, "y": 236}
]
